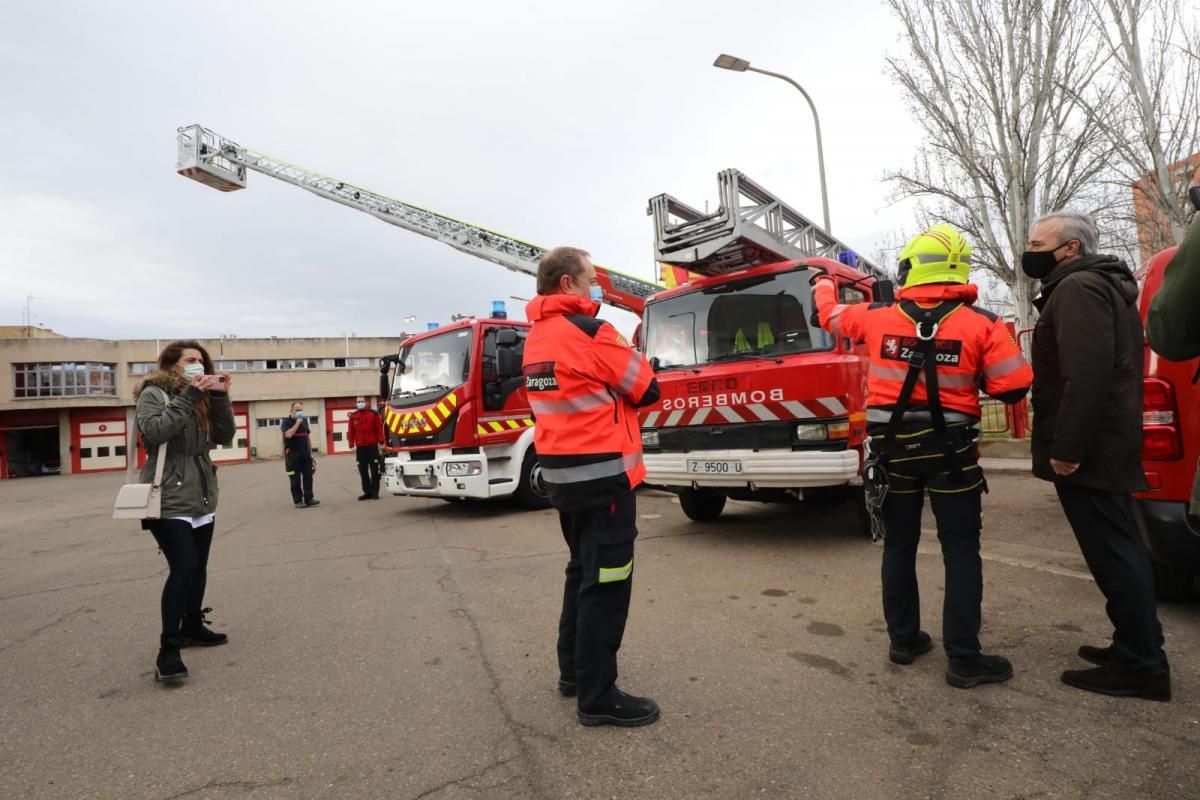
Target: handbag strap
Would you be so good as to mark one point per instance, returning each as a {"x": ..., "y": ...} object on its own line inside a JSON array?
[{"x": 131, "y": 449}]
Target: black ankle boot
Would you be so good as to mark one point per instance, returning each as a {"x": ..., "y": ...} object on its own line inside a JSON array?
[
  {"x": 194, "y": 633},
  {"x": 967, "y": 673},
  {"x": 169, "y": 666}
]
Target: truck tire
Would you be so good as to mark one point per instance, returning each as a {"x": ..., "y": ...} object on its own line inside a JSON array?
[
  {"x": 531, "y": 490},
  {"x": 1171, "y": 584},
  {"x": 701, "y": 505}
]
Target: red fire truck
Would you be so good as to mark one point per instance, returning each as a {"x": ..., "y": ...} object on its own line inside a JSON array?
[
  {"x": 1170, "y": 450},
  {"x": 758, "y": 402}
]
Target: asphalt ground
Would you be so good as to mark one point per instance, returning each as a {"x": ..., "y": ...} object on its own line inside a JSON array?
[{"x": 404, "y": 649}]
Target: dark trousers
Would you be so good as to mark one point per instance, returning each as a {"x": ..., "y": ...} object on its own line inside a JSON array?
[
  {"x": 300, "y": 475},
  {"x": 186, "y": 549},
  {"x": 596, "y": 596},
  {"x": 957, "y": 508},
  {"x": 368, "y": 468},
  {"x": 1106, "y": 529}
]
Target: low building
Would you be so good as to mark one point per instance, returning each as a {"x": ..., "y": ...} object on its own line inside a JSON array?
[{"x": 66, "y": 403}]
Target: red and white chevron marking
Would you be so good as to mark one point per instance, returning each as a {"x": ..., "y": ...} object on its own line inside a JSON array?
[{"x": 768, "y": 411}]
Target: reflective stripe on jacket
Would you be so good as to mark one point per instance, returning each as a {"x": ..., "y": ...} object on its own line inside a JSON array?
[
  {"x": 974, "y": 347},
  {"x": 584, "y": 383}
]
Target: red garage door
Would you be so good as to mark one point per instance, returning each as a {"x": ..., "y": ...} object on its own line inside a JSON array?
[
  {"x": 337, "y": 425},
  {"x": 240, "y": 449}
]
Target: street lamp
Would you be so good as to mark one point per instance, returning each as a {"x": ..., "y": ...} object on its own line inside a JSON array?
[{"x": 735, "y": 64}]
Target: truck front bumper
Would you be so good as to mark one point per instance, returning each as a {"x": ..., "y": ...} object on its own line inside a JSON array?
[
  {"x": 444, "y": 476},
  {"x": 765, "y": 469}
]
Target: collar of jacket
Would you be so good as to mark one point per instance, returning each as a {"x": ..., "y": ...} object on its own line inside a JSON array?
[
  {"x": 937, "y": 292},
  {"x": 560, "y": 305},
  {"x": 1109, "y": 267}
]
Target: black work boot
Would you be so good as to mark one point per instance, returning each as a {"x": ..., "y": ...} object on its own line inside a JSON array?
[
  {"x": 967, "y": 673},
  {"x": 365, "y": 496},
  {"x": 1117, "y": 681},
  {"x": 621, "y": 709},
  {"x": 567, "y": 688},
  {"x": 168, "y": 667},
  {"x": 901, "y": 653},
  {"x": 193, "y": 632},
  {"x": 1095, "y": 655}
]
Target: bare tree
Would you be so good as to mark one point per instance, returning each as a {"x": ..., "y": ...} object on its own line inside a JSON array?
[
  {"x": 995, "y": 85},
  {"x": 1151, "y": 121}
]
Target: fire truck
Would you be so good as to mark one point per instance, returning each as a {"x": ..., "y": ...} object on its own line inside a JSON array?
[
  {"x": 459, "y": 425},
  {"x": 1170, "y": 450},
  {"x": 758, "y": 402}
]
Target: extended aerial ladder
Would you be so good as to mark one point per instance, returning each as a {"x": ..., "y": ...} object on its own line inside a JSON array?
[
  {"x": 221, "y": 163},
  {"x": 751, "y": 226}
]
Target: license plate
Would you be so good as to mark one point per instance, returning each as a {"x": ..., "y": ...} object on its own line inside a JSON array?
[{"x": 714, "y": 467}]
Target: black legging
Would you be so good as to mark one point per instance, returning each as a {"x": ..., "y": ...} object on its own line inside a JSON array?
[{"x": 186, "y": 549}]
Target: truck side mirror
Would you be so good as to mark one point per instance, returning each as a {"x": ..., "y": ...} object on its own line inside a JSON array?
[
  {"x": 508, "y": 363},
  {"x": 506, "y": 337},
  {"x": 384, "y": 383},
  {"x": 884, "y": 292}
]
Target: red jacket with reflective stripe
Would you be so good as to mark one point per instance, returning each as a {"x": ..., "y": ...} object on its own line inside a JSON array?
[
  {"x": 584, "y": 382},
  {"x": 366, "y": 427},
  {"x": 974, "y": 347}
]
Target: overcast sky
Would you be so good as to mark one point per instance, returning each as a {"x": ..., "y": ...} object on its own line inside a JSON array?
[{"x": 550, "y": 121}]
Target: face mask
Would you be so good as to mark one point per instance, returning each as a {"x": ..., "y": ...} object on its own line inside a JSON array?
[
  {"x": 193, "y": 369},
  {"x": 596, "y": 293},
  {"x": 1037, "y": 264},
  {"x": 299, "y": 415},
  {"x": 361, "y": 405}
]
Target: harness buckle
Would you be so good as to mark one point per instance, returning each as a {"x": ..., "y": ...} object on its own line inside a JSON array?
[{"x": 921, "y": 335}]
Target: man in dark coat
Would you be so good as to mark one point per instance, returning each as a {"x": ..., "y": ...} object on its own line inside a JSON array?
[{"x": 1087, "y": 439}]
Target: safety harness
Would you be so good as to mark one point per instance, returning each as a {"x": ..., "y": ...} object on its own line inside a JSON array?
[{"x": 923, "y": 357}]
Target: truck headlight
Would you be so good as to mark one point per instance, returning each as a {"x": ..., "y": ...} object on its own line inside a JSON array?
[
  {"x": 391, "y": 470},
  {"x": 809, "y": 432},
  {"x": 461, "y": 469},
  {"x": 650, "y": 437}
]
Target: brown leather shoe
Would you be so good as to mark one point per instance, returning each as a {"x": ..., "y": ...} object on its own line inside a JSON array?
[{"x": 1119, "y": 682}]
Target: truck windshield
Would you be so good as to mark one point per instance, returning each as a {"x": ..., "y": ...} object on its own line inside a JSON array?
[
  {"x": 764, "y": 315},
  {"x": 442, "y": 361}
]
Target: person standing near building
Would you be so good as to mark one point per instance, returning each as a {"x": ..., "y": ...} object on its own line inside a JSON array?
[
  {"x": 1087, "y": 439},
  {"x": 297, "y": 457},
  {"x": 366, "y": 434},
  {"x": 931, "y": 353},
  {"x": 186, "y": 407},
  {"x": 584, "y": 384}
]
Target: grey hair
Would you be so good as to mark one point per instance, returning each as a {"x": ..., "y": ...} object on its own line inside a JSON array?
[{"x": 1076, "y": 225}]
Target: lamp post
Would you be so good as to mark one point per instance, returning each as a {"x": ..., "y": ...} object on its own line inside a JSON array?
[{"x": 735, "y": 64}]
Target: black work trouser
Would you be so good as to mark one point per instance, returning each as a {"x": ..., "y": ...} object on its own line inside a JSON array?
[
  {"x": 599, "y": 581},
  {"x": 300, "y": 475},
  {"x": 1107, "y": 532},
  {"x": 957, "y": 508},
  {"x": 186, "y": 550},
  {"x": 368, "y": 468}
]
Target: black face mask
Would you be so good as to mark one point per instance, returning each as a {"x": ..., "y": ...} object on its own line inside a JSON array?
[{"x": 1037, "y": 264}]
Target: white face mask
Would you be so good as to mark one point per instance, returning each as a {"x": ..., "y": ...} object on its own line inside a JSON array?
[
  {"x": 193, "y": 369},
  {"x": 361, "y": 406}
]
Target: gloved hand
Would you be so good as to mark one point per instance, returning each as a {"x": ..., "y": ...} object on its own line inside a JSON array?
[{"x": 817, "y": 274}]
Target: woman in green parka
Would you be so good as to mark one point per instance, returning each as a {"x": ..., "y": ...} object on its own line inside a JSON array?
[{"x": 186, "y": 406}]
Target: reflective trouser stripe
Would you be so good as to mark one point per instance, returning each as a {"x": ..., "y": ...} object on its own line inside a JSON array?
[
  {"x": 616, "y": 574},
  {"x": 590, "y": 472}
]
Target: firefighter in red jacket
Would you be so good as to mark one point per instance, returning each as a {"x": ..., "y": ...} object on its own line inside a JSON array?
[
  {"x": 930, "y": 355},
  {"x": 366, "y": 434},
  {"x": 584, "y": 384}
]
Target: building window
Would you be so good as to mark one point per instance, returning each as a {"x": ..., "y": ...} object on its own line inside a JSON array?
[
  {"x": 65, "y": 379},
  {"x": 141, "y": 367},
  {"x": 230, "y": 366}
]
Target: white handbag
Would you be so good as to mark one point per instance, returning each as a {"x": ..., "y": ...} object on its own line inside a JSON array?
[{"x": 140, "y": 500}]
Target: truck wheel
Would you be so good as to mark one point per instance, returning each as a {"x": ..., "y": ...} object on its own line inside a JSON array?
[
  {"x": 1171, "y": 584},
  {"x": 702, "y": 505},
  {"x": 531, "y": 489},
  {"x": 858, "y": 500}
]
